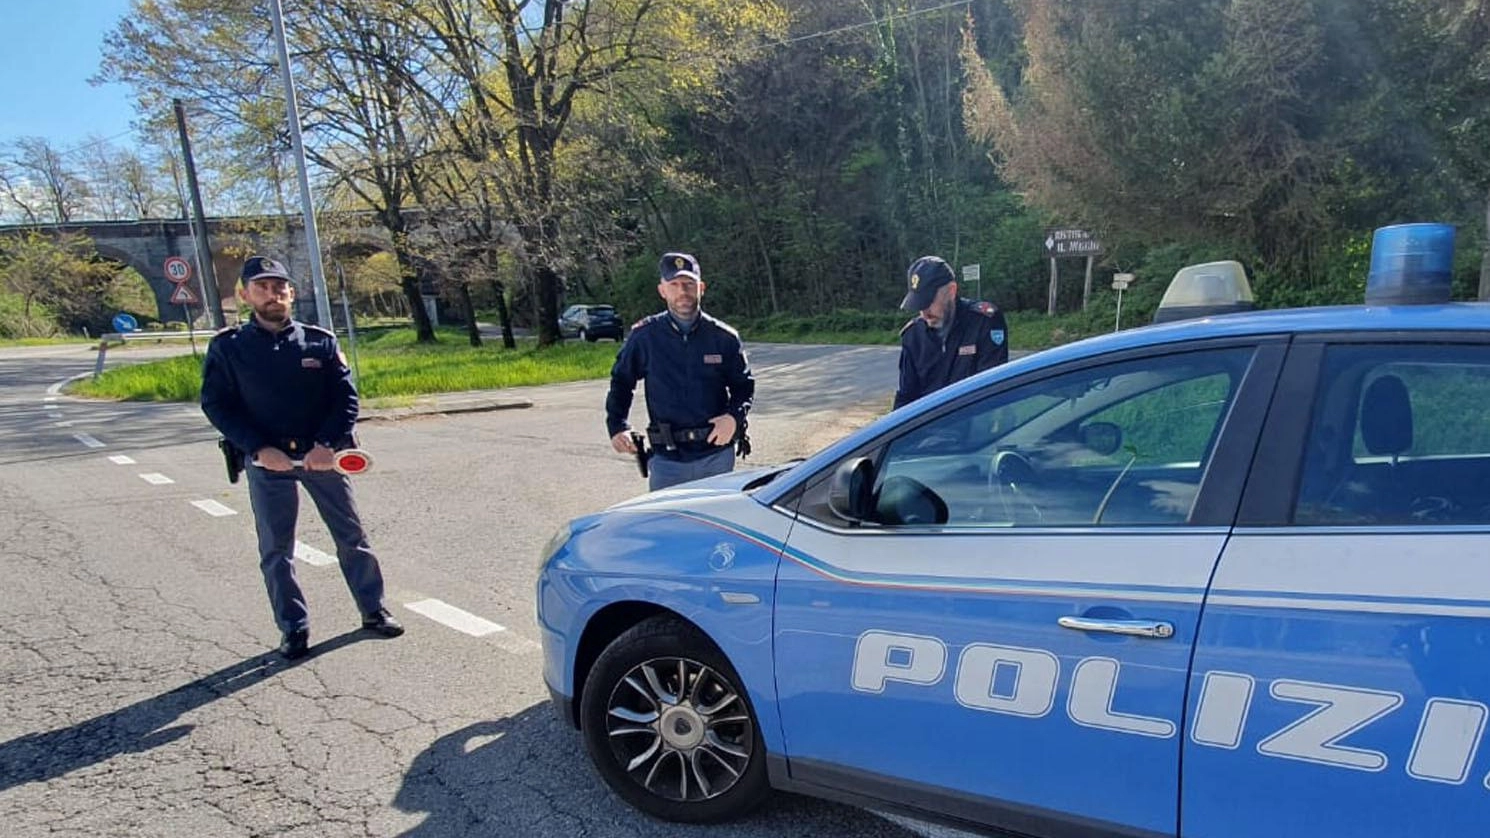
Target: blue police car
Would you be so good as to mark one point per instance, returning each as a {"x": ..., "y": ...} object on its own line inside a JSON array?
[{"x": 1219, "y": 577}]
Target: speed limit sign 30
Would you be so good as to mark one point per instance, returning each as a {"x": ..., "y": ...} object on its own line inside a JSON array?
[{"x": 178, "y": 269}]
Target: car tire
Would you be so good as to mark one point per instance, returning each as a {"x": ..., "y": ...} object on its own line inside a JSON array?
[
  {"x": 587, "y": 336},
  {"x": 692, "y": 754}
]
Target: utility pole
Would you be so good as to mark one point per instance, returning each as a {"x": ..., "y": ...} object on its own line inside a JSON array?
[
  {"x": 312, "y": 237},
  {"x": 212, "y": 298}
]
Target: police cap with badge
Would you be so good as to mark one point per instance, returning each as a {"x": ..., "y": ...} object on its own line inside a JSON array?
[
  {"x": 926, "y": 276},
  {"x": 262, "y": 267},
  {"x": 675, "y": 265}
]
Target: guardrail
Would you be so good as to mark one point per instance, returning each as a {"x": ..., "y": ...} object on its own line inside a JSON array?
[{"x": 120, "y": 338}]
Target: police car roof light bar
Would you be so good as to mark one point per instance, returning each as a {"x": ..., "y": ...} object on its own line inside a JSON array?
[
  {"x": 1411, "y": 264},
  {"x": 1205, "y": 289}
]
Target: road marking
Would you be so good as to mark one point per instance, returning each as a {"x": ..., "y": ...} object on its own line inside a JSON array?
[
  {"x": 213, "y": 508},
  {"x": 122, "y": 460},
  {"x": 155, "y": 478},
  {"x": 88, "y": 440},
  {"x": 310, "y": 555},
  {"x": 56, "y": 389},
  {"x": 453, "y": 617},
  {"x": 50, "y": 399},
  {"x": 67, "y": 424}
]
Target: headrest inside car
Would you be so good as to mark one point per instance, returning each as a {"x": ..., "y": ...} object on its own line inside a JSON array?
[{"x": 1386, "y": 417}]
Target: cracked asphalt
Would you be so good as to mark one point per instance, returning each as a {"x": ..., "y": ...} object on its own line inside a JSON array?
[{"x": 138, "y": 692}]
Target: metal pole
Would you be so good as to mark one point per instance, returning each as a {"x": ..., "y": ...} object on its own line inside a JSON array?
[
  {"x": 1117, "y": 324},
  {"x": 346, "y": 310},
  {"x": 211, "y": 298},
  {"x": 312, "y": 238}
]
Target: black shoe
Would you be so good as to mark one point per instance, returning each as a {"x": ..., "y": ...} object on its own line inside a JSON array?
[
  {"x": 383, "y": 623},
  {"x": 296, "y": 644}
]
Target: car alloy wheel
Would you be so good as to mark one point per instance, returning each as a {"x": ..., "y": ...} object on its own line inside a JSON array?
[{"x": 670, "y": 728}]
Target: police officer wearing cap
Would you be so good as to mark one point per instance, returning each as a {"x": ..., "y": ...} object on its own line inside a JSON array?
[
  {"x": 699, "y": 386},
  {"x": 950, "y": 339},
  {"x": 280, "y": 392}
]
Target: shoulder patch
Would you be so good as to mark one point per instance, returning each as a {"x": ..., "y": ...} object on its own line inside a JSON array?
[
  {"x": 640, "y": 323},
  {"x": 985, "y": 308}
]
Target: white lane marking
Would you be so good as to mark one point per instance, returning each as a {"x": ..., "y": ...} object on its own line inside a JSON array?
[
  {"x": 56, "y": 389},
  {"x": 453, "y": 617},
  {"x": 122, "y": 460},
  {"x": 50, "y": 399},
  {"x": 88, "y": 440},
  {"x": 310, "y": 555},
  {"x": 213, "y": 508},
  {"x": 155, "y": 478},
  {"x": 67, "y": 424}
]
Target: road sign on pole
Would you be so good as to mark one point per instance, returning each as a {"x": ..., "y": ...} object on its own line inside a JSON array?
[
  {"x": 974, "y": 274},
  {"x": 184, "y": 296},
  {"x": 1070, "y": 242},
  {"x": 1120, "y": 283},
  {"x": 178, "y": 270}
]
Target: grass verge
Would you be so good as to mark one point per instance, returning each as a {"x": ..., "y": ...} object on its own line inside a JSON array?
[
  {"x": 56, "y": 341},
  {"x": 390, "y": 366}
]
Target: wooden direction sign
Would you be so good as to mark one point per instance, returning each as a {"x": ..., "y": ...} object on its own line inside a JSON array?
[
  {"x": 1071, "y": 242},
  {"x": 184, "y": 296}
]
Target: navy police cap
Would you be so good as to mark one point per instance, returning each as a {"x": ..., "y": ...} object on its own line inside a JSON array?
[
  {"x": 679, "y": 264},
  {"x": 926, "y": 276}
]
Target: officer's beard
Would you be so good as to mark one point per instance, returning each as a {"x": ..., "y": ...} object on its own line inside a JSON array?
[
  {"x": 272, "y": 315},
  {"x": 686, "y": 311}
]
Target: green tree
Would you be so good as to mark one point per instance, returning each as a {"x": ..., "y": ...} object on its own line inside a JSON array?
[{"x": 63, "y": 274}]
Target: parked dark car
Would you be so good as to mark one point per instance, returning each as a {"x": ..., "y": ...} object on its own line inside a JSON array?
[{"x": 591, "y": 322}]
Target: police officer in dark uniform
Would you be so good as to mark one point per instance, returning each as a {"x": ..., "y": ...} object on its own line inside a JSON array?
[
  {"x": 951, "y": 338},
  {"x": 282, "y": 395},
  {"x": 699, "y": 386}
]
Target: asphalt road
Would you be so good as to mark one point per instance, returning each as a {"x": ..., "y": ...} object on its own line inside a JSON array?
[{"x": 138, "y": 693}]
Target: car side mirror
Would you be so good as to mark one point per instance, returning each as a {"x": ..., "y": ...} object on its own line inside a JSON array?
[
  {"x": 850, "y": 495},
  {"x": 1105, "y": 438}
]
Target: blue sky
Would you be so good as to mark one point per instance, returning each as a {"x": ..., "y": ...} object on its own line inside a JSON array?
[{"x": 52, "y": 47}]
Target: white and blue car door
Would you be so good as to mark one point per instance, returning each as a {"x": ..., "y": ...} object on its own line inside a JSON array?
[
  {"x": 1341, "y": 683},
  {"x": 1005, "y": 635}
]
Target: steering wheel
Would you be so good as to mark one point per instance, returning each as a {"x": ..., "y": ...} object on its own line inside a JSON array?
[{"x": 1011, "y": 478}]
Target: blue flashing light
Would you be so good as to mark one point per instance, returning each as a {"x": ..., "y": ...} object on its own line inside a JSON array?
[{"x": 1411, "y": 264}]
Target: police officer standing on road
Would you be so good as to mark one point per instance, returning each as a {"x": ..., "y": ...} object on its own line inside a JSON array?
[
  {"x": 950, "y": 339},
  {"x": 280, "y": 391},
  {"x": 699, "y": 386}
]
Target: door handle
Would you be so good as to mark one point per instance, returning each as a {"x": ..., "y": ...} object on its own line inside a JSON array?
[{"x": 1134, "y": 628}]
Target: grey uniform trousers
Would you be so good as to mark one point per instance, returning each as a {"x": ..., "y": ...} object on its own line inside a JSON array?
[
  {"x": 275, "y": 498},
  {"x": 665, "y": 471}
]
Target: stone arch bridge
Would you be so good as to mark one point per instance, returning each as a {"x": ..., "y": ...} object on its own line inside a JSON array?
[{"x": 145, "y": 246}]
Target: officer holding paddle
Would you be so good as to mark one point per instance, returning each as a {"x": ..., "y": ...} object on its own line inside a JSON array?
[{"x": 280, "y": 392}]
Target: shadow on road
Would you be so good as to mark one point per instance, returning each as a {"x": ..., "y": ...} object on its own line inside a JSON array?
[
  {"x": 527, "y": 775},
  {"x": 38, "y": 757}
]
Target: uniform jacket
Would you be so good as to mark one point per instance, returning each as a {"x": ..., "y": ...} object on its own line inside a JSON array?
[
  {"x": 978, "y": 338},
  {"x": 691, "y": 377},
  {"x": 290, "y": 389}
]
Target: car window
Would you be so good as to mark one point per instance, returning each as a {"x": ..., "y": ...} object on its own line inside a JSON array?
[
  {"x": 1397, "y": 438},
  {"x": 1117, "y": 445}
]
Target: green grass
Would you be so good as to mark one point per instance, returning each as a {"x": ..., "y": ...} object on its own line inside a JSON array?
[
  {"x": 52, "y": 341},
  {"x": 391, "y": 367},
  {"x": 177, "y": 379}
]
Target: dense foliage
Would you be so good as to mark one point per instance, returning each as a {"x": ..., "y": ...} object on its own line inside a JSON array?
[{"x": 538, "y": 154}]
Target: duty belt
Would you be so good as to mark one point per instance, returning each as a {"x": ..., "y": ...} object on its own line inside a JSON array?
[{"x": 668, "y": 438}]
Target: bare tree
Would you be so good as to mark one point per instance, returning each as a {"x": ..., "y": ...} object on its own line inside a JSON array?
[{"x": 41, "y": 182}]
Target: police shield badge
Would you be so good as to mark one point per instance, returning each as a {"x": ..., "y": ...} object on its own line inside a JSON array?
[{"x": 998, "y": 337}]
